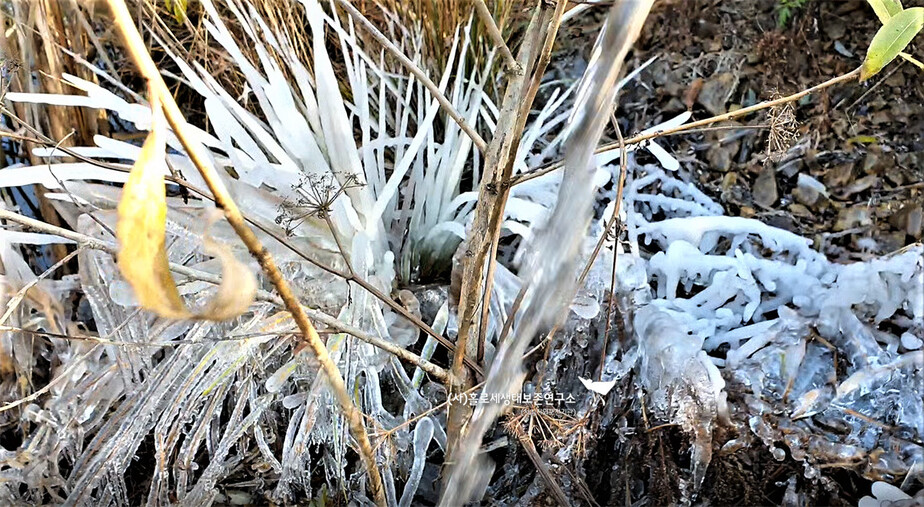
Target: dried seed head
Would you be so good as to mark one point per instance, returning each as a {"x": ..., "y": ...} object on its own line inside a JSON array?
[
  {"x": 316, "y": 196},
  {"x": 783, "y": 130}
]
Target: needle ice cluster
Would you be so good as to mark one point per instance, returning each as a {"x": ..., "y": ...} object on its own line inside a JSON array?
[{"x": 734, "y": 299}]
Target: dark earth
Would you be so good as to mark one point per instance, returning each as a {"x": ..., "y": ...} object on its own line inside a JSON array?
[{"x": 862, "y": 143}]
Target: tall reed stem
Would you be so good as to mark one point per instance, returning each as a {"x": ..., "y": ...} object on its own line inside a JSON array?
[{"x": 139, "y": 53}]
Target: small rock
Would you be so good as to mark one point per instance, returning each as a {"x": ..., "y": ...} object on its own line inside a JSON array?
[
  {"x": 880, "y": 117},
  {"x": 908, "y": 160},
  {"x": 838, "y": 176},
  {"x": 781, "y": 221},
  {"x": 809, "y": 191},
  {"x": 895, "y": 175},
  {"x": 720, "y": 158},
  {"x": 792, "y": 167},
  {"x": 800, "y": 211},
  {"x": 892, "y": 241},
  {"x": 897, "y": 79},
  {"x": 860, "y": 185},
  {"x": 871, "y": 163},
  {"x": 716, "y": 92},
  {"x": 834, "y": 28},
  {"x": 675, "y": 105},
  {"x": 909, "y": 219},
  {"x": 764, "y": 190},
  {"x": 850, "y": 218},
  {"x": 842, "y": 50}
]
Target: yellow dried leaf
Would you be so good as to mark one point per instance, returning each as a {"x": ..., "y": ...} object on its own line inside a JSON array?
[
  {"x": 141, "y": 233},
  {"x": 238, "y": 285},
  {"x": 142, "y": 225}
]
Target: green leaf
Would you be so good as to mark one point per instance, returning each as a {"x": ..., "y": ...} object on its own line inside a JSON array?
[
  {"x": 179, "y": 10},
  {"x": 911, "y": 59},
  {"x": 885, "y": 9},
  {"x": 891, "y": 39}
]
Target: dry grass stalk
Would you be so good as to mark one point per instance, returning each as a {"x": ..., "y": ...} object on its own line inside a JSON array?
[
  {"x": 496, "y": 35},
  {"x": 34, "y": 34},
  {"x": 850, "y": 76},
  {"x": 492, "y": 197},
  {"x": 136, "y": 46},
  {"x": 195, "y": 274},
  {"x": 415, "y": 70},
  {"x": 783, "y": 131},
  {"x": 437, "y": 21}
]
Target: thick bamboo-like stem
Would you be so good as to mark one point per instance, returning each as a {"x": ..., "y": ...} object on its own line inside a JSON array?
[
  {"x": 489, "y": 212},
  {"x": 202, "y": 276},
  {"x": 136, "y": 47},
  {"x": 550, "y": 30},
  {"x": 415, "y": 70},
  {"x": 854, "y": 74}
]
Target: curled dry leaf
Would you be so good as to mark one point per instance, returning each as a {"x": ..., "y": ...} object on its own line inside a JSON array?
[
  {"x": 238, "y": 285},
  {"x": 141, "y": 233}
]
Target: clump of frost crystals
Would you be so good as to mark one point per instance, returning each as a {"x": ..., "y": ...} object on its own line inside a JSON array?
[{"x": 823, "y": 357}]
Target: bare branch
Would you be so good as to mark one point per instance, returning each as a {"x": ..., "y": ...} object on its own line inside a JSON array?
[
  {"x": 524, "y": 177},
  {"x": 496, "y": 34},
  {"x": 202, "y": 276}
]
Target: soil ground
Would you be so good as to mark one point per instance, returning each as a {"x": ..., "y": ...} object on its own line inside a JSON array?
[{"x": 862, "y": 142}]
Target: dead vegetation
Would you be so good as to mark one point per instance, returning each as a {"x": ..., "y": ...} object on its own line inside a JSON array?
[{"x": 360, "y": 148}]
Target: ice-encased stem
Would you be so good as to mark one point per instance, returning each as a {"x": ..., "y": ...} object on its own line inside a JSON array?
[
  {"x": 423, "y": 433},
  {"x": 136, "y": 47},
  {"x": 551, "y": 267}
]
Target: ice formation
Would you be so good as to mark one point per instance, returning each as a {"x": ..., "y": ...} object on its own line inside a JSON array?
[
  {"x": 824, "y": 358},
  {"x": 757, "y": 304}
]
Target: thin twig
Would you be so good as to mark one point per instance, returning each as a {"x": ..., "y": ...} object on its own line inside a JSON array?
[
  {"x": 14, "y": 301},
  {"x": 495, "y": 33},
  {"x": 136, "y": 47},
  {"x": 202, "y": 276},
  {"x": 387, "y": 433},
  {"x": 543, "y": 469},
  {"x": 350, "y": 277},
  {"x": 415, "y": 70},
  {"x": 524, "y": 177},
  {"x": 623, "y": 170},
  {"x": 206, "y": 340},
  {"x": 873, "y": 88},
  {"x": 66, "y": 374}
]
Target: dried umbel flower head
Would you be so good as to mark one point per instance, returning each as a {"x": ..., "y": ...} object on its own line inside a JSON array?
[
  {"x": 316, "y": 195},
  {"x": 783, "y": 125}
]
